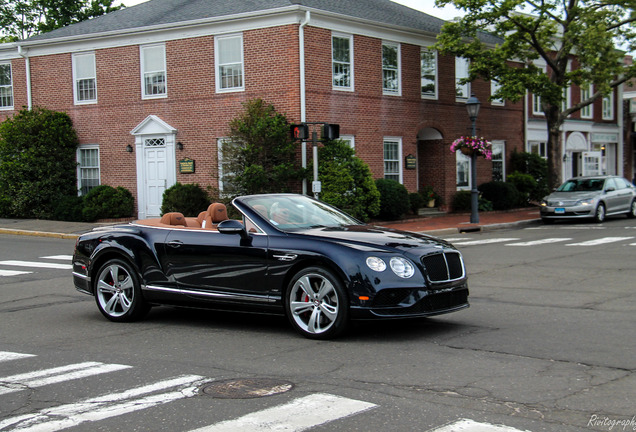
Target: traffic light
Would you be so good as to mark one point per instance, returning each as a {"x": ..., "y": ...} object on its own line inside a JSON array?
[
  {"x": 330, "y": 132},
  {"x": 299, "y": 131}
]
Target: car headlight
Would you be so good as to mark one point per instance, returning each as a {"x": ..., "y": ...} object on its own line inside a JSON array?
[
  {"x": 544, "y": 203},
  {"x": 376, "y": 264},
  {"x": 585, "y": 202},
  {"x": 402, "y": 267}
]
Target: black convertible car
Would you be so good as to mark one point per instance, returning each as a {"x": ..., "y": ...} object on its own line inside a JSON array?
[{"x": 289, "y": 254}]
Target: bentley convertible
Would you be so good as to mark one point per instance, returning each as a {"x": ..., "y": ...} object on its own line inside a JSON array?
[{"x": 288, "y": 254}]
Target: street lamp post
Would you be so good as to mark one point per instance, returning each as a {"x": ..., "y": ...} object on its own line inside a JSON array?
[{"x": 472, "y": 105}]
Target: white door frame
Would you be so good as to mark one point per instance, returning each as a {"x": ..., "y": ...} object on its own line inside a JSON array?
[{"x": 153, "y": 127}]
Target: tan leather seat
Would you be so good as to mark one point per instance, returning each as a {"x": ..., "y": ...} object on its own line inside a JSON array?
[{"x": 173, "y": 218}]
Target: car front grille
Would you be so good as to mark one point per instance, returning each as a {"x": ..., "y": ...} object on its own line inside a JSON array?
[
  {"x": 443, "y": 267},
  {"x": 432, "y": 304}
]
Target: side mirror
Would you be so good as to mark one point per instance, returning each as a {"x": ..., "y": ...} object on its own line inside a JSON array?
[{"x": 232, "y": 226}]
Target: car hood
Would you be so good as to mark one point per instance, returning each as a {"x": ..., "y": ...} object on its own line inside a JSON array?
[
  {"x": 379, "y": 238},
  {"x": 567, "y": 196}
]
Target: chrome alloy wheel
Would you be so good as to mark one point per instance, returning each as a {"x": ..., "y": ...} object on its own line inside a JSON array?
[
  {"x": 115, "y": 290},
  {"x": 316, "y": 305}
]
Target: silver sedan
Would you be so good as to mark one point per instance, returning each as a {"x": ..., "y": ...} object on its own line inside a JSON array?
[{"x": 590, "y": 197}]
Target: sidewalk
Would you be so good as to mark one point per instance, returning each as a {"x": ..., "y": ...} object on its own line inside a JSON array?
[{"x": 443, "y": 224}]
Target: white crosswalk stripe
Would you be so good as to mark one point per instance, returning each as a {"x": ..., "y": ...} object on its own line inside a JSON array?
[
  {"x": 466, "y": 425},
  {"x": 59, "y": 257},
  {"x": 539, "y": 242},
  {"x": 484, "y": 241},
  {"x": 36, "y": 264},
  {"x": 317, "y": 409},
  {"x": 600, "y": 241},
  {"x": 13, "y": 272},
  {"x": 7, "y": 356}
]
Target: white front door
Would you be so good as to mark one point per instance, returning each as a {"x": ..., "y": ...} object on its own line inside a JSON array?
[
  {"x": 156, "y": 173},
  {"x": 592, "y": 163}
]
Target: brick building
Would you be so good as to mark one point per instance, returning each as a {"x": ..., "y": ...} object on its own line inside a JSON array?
[{"x": 157, "y": 83}]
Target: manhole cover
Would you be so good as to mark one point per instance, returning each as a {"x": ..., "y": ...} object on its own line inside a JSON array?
[{"x": 246, "y": 388}]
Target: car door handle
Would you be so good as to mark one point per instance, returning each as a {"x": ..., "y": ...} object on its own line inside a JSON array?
[{"x": 175, "y": 243}]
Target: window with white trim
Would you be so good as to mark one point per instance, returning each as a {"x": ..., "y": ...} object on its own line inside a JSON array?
[
  {"x": 342, "y": 62},
  {"x": 227, "y": 150},
  {"x": 462, "y": 171},
  {"x": 587, "y": 111},
  {"x": 6, "y": 87},
  {"x": 539, "y": 148},
  {"x": 494, "y": 88},
  {"x": 349, "y": 139},
  {"x": 391, "y": 68},
  {"x": 153, "y": 71},
  {"x": 393, "y": 159},
  {"x": 498, "y": 161},
  {"x": 608, "y": 107},
  {"x": 462, "y": 91},
  {"x": 84, "y": 78},
  {"x": 428, "y": 71},
  {"x": 536, "y": 99},
  {"x": 229, "y": 63},
  {"x": 88, "y": 175}
]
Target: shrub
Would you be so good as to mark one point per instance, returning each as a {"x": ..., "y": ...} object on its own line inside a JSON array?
[
  {"x": 394, "y": 199},
  {"x": 189, "y": 199},
  {"x": 503, "y": 195},
  {"x": 525, "y": 184},
  {"x": 69, "y": 208},
  {"x": 347, "y": 182},
  {"x": 461, "y": 202},
  {"x": 38, "y": 164},
  {"x": 105, "y": 202},
  {"x": 416, "y": 201},
  {"x": 537, "y": 167}
]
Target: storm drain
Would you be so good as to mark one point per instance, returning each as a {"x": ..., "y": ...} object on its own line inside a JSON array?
[{"x": 246, "y": 388}]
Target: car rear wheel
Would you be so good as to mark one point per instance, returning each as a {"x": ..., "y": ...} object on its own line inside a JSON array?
[
  {"x": 632, "y": 210},
  {"x": 317, "y": 304},
  {"x": 599, "y": 215},
  {"x": 118, "y": 292}
]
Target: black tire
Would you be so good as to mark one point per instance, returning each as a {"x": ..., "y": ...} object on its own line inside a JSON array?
[
  {"x": 118, "y": 292},
  {"x": 632, "y": 210},
  {"x": 599, "y": 214},
  {"x": 316, "y": 303}
]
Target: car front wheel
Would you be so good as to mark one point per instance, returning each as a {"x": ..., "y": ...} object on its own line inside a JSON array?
[
  {"x": 599, "y": 215},
  {"x": 317, "y": 304},
  {"x": 632, "y": 210},
  {"x": 118, "y": 292}
]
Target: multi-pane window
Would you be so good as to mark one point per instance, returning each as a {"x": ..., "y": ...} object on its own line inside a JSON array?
[
  {"x": 536, "y": 105},
  {"x": 6, "y": 86},
  {"x": 85, "y": 78},
  {"x": 391, "y": 68},
  {"x": 153, "y": 70},
  {"x": 494, "y": 88},
  {"x": 463, "y": 170},
  {"x": 462, "y": 91},
  {"x": 88, "y": 168},
  {"x": 538, "y": 148},
  {"x": 608, "y": 107},
  {"x": 229, "y": 63},
  {"x": 350, "y": 140},
  {"x": 227, "y": 150},
  {"x": 392, "y": 158},
  {"x": 428, "y": 70},
  {"x": 586, "y": 111},
  {"x": 342, "y": 62},
  {"x": 498, "y": 161}
]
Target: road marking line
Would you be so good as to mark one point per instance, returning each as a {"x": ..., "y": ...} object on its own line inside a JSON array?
[
  {"x": 36, "y": 264},
  {"x": 539, "y": 242},
  {"x": 59, "y": 257},
  {"x": 6, "y": 356},
  {"x": 316, "y": 409},
  {"x": 106, "y": 406},
  {"x": 600, "y": 241},
  {"x": 466, "y": 425},
  {"x": 484, "y": 241},
  {"x": 15, "y": 383},
  {"x": 13, "y": 272}
]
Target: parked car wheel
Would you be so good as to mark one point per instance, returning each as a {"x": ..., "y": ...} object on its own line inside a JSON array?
[
  {"x": 599, "y": 215},
  {"x": 632, "y": 210},
  {"x": 118, "y": 293},
  {"x": 316, "y": 303}
]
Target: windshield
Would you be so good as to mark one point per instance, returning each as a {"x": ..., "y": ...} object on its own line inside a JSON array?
[
  {"x": 582, "y": 185},
  {"x": 290, "y": 212}
]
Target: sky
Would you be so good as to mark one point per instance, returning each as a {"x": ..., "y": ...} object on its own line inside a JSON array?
[{"x": 426, "y": 6}]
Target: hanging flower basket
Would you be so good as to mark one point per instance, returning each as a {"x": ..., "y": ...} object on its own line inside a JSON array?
[{"x": 470, "y": 145}]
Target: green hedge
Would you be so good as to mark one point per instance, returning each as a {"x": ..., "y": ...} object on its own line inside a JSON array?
[
  {"x": 107, "y": 202},
  {"x": 394, "y": 199},
  {"x": 189, "y": 199}
]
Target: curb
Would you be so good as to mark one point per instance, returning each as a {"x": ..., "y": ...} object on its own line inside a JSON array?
[{"x": 38, "y": 233}]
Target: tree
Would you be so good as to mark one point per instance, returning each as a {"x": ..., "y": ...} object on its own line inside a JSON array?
[
  {"x": 21, "y": 19},
  {"x": 259, "y": 156},
  {"x": 552, "y": 32},
  {"x": 38, "y": 167},
  {"x": 347, "y": 182}
]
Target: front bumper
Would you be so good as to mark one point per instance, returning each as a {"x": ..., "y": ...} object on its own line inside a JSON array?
[{"x": 569, "y": 212}]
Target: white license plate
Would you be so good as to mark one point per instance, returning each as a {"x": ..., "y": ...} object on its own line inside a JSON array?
[{"x": 559, "y": 210}]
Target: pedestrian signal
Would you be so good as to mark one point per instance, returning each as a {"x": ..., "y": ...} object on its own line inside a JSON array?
[
  {"x": 330, "y": 132},
  {"x": 299, "y": 131}
]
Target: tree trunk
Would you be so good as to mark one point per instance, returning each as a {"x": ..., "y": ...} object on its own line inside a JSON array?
[{"x": 554, "y": 146}]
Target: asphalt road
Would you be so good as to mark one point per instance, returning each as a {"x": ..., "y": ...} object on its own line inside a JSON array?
[{"x": 547, "y": 345}]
